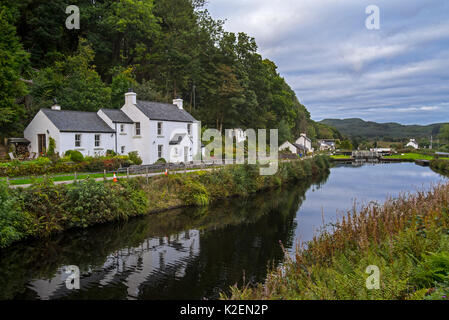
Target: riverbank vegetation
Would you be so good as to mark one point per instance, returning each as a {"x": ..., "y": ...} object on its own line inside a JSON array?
[
  {"x": 407, "y": 238},
  {"x": 440, "y": 166},
  {"x": 45, "y": 208}
]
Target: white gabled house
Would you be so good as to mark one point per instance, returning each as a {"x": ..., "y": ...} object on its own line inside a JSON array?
[
  {"x": 155, "y": 130},
  {"x": 304, "y": 141},
  {"x": 412, "y": 144}
]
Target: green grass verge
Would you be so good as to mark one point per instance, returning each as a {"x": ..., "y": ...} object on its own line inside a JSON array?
[
  {"x": 411, "y": 156},
  {"x": 340, "y": 156}
]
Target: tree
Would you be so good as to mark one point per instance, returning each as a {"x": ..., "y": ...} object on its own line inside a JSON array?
[
  {"x": 74, "y": 82},
  {"x": 444, "y": 132},
  {"x": 13, "y": 61}
]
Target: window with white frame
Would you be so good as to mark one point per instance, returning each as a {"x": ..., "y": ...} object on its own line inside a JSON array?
[
  {"x": 122, "y": 128},
  {"x": 189, "y": 129},
  {"x": 77, "y": 140},
  {"x": 159, "y": 128},
  {"x": 122, "y": 149},
  {"x": 97, "y": 140},
  {"x": 137, "y": 128},
  {"x": 159, "y": 151}
]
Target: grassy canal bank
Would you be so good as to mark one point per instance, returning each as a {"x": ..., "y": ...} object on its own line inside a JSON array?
[
  {"x": 407, "y": 238},
  {"x": 45, "y": 208}
]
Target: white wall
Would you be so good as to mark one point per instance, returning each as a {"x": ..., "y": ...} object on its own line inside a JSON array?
[
  {"x": 87, "y": 148},
  {"x": 287, "y": 145},
  {"x": 169, "y": 130},
  {"x": 123, "y": 138},
  {"x": 139, "y": 143},
  {"x": 302, "y": 140},
  {"x": 147, "y": 143},
  {"x": 39, "y": 125}
]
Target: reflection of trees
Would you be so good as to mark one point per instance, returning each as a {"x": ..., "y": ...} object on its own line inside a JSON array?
[{"x": 236, "y": 234}]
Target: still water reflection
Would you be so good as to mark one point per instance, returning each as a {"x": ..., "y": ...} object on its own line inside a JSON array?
[{"x": 196, "y": 253}]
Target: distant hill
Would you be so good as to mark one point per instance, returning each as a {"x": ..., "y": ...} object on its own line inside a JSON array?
[{"x": 367, "y": 129}]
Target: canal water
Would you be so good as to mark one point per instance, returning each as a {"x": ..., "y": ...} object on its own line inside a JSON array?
[{"x": 197, "y": 253}]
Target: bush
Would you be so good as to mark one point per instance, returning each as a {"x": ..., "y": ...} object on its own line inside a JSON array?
[
  {"x": 14, "y": 223},
  {"x": 134, "y": 157},
  {"x": 161, "y": 161},
  {"x": 110, "y": 153},
  {"x": 195, "y": 193},
  {"x": 76, "y": 156}
]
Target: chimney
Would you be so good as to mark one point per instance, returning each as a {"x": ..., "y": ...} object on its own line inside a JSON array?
[
  {"x": 178, "y": 102},
  {"x": 130, "y": 97},
  {"x": 55, "y": 106}
]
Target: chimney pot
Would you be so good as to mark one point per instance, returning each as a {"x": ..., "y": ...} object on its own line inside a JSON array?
[
  {"x": 178, "y": 103},
  {"x": 56, "y": 107}
]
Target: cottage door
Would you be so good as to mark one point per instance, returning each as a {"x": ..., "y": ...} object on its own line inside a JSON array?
[{"x": 41, "y": 143}]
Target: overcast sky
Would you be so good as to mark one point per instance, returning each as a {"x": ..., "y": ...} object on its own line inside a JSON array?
[{"x": 340, "y": 69}]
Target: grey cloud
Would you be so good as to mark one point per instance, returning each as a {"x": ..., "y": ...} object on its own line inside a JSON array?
[{"x": 340, "y": 69}]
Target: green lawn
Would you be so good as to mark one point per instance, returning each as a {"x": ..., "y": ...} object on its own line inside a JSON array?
[
  {"x": 340, "y": 156},
  {"x": 411, "y": 156},
  {"x": 21, "y": 181}
]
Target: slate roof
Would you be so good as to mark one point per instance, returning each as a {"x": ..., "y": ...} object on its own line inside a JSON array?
[
  {"x": 77, "y": 121},
  {"x": 117, "y": 116},
  {"x": 164, "y": 111},
  {"x": 299, "y": 147},
  {"x": 177, "y": 139}
]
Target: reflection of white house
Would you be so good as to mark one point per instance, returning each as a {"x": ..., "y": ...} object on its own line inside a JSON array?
[
  {"x": 131, "y": 266},
  {"x": 304, "y": 141},
  {"x": 326, "y": 144},
  {"x": 156, "y": 130},
  {"x": 412, "y": 144}
]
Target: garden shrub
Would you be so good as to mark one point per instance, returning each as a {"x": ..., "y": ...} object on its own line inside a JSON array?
[
  {"x": 76, "y": 156},
  {"x": 134, "y": 157},
  {"x": 14, "y": 222},
  {"x": 195, "y": 193}
]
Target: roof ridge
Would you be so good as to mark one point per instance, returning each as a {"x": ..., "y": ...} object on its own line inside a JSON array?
[{"x": 66, "y": 110}]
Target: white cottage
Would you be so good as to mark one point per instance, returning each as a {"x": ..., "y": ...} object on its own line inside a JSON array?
[
  {"x": 412, "y": 144},
  {"x": 155, "y": 130},
  {"x": 304, "y": 141}
]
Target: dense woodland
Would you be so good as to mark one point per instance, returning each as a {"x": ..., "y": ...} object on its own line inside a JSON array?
[{"x": 161, "y": 48}]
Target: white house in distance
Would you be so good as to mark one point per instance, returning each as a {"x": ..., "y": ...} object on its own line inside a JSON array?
[
  {"x": 155, "y": 130},
  {"x": 326, "y": 144},
  {"x": 412, "y": 144},
  {"x": 293, "y": 148},
  {"x": 303, "y": 145},
  {"x": 303, "y": 140}
]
